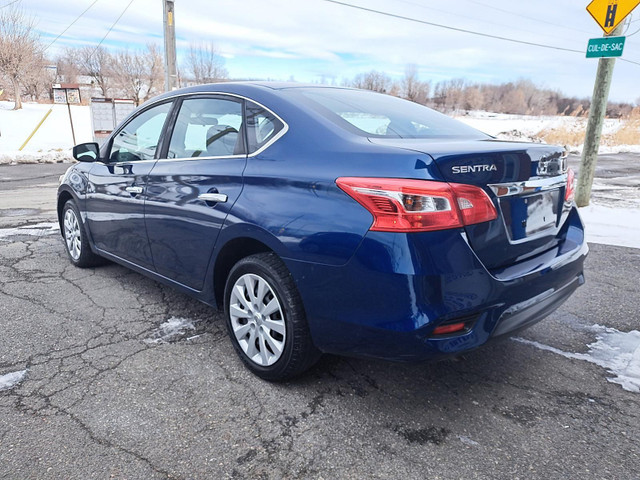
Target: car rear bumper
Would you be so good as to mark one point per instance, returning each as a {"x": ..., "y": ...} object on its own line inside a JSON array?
[{"x": 387, "y": 300}]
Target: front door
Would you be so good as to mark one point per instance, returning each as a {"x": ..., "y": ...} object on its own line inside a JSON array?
[
  {"x": 117, "y": 188},
  {"x": 191, "y": 190}
]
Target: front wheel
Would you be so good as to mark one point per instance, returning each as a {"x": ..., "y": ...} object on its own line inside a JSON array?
[
  {"x": 266, "y": 319},
  {"x": 75, "y": 238}
]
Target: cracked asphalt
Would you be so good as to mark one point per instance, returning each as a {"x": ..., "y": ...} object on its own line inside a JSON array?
[{"x": 99, "y": 402}]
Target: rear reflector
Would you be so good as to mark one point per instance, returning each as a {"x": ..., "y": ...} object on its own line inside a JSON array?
[
  {"x": 403, "y": 205},
  {"x": 451, "y": 328},
  {"x": 571, "y": 186}
]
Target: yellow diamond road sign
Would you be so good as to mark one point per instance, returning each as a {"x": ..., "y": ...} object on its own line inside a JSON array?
[{"x": 610, "y": 13}]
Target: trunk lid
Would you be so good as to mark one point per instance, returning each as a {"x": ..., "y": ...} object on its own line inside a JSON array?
[{"x": 525, "y": 181}]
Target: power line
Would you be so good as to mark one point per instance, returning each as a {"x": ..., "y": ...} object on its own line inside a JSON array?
[
  {"x": 628, "y": 61},
  {"x": 459, "y": 15},
  {"x": 447, "y": 27},
  {"x": 111, "y": 27},
  {"x": 527, "y": 16},
  {"x": 10, "y": 3},
  {"x": 70, "y": 25}
]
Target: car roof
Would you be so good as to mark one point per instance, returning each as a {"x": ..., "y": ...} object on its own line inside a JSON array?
[
  {"x": 246, "y": 86},
  {"x": 243, "y": 88}
]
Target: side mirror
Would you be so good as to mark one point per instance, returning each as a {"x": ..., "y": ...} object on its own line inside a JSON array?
[{"x": 86, "y": 152}]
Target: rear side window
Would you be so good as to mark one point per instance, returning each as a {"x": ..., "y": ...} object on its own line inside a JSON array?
[
  {"x": 262, "y": 126},
  {"x": 139, "y": 138},
  {"x": 207, "y": 127},
  {"x": 368, "y": 122},
  {"x": 377, "y": 115}
]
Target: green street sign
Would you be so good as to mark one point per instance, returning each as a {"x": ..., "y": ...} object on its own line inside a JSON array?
[{"x": 605, "y": 47}]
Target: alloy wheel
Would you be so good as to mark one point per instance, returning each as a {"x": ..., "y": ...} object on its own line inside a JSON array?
[
  {"x": 257, "y": 319},
  {"x": 72, "y": 234}
]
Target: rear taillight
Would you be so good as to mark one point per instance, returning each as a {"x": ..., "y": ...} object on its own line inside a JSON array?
[
  {"x": 401, "y": 205},
  {"x": 570, "y": 191}
]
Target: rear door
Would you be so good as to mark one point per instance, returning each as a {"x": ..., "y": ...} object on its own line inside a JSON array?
[
  {"x": 192, "y": 188},
  {"x": 117, "y": 187}
]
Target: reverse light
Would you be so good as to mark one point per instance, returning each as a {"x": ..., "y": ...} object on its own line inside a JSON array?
[
  {"x": 403, "y": 205},
  {"x": 570, "y": 190}
]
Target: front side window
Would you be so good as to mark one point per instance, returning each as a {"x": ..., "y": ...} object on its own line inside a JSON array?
[
  {"x": 207, "y": 127},
  {"x": 139, "y": 138},
  {"x": 262, "y": 126}
]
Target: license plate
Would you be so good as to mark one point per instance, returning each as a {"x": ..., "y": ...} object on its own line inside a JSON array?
[{"x": 530, "y": 215}]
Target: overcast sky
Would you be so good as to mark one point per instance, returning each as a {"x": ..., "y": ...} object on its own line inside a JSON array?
[{"x": 311, "y": 40}]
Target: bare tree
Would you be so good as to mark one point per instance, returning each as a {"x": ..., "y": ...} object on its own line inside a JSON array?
[
  {"x": 97, "y": 63},
  {"x": 412, "y": 88},
  {"x": 38, "y": 79},
  {"x": 20, "y": 50},
  {"x": 66, "y": 67},
  {"x": 473, "y": 98},
  {"x": 204, "y": 64},
  {"x": 513, "y": 100},
  {"x": 155, "y": 71},
  {"x": 373, "y": 80},
  {"x": 450, "y": 94},
  {"x": 137, "y": 74}
]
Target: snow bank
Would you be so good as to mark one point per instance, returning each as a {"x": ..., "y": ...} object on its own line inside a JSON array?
[
  {"x": 10, "y": 380},
  {"x": 52, "y": 142},
  {"x": 612, "y": 226},
  {"x": 529, "y": 128},
  {"x": 617, "y": 352}
]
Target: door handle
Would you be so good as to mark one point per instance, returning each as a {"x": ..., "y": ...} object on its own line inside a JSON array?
[
  {"x": 213, "y": 197},
  {"x": 134, "y": 190}
]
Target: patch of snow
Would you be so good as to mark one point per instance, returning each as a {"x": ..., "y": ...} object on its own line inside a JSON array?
[
  {"x": 611, "y": 149},
  {"x": 617, "y": 352},
  {"x": 516, "y": 136},
  {"x": 10, "y": 380},
  {"x": 35, "y": 230},
  {"x": 468, "y": 441},
  {"x": 171, "y": 330},
  {"x": 612, "y": 226}
]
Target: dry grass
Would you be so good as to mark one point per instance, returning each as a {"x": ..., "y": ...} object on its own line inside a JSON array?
[
  {"x": 562, "y": 135},
  {"x": 627, "y": 134}
]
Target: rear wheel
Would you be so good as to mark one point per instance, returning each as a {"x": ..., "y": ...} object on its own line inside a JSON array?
[
  {"x": 75, "y": 238},
  {"x": 266, "y": 319}
]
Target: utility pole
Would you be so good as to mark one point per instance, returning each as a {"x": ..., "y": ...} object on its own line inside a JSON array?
[
  {"x": 170, "y": 74},
  {"x": 594, "y": 125}
]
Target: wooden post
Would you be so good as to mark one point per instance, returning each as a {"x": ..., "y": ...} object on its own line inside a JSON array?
[{"x": 594, "y": 125}]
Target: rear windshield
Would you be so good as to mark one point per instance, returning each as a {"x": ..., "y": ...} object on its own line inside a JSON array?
[{"x": 378, "y": 115}]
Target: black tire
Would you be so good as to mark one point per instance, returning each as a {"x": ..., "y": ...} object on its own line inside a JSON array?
[
  {"x": 298, "y": 353},
  {"x": 83, "y": 257}
]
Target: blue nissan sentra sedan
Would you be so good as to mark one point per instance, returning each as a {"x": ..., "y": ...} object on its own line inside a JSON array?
[{"x": 328, "y": 219}]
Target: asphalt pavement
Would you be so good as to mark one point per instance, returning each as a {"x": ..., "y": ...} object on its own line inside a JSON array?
[{"x": 109, "y": 393}]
